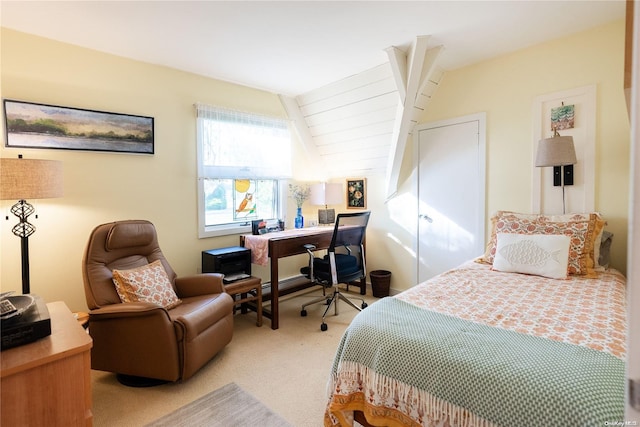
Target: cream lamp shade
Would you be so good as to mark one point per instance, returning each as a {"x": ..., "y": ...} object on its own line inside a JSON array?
[
  {"x": 556, "y": 151},
  {"x": 30, "y": 179},
  {"x": 325, "y": 194}
]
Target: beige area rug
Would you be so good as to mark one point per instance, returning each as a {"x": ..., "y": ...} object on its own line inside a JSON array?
[{"x": 229, "y": 406}]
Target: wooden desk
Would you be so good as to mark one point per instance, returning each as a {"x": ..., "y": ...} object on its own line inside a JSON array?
[
  {"x": 288, "y": 243},
  {"x": 48, "y": 382}
]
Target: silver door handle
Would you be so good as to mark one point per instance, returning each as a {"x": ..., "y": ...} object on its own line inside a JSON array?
[{"x": 427, "y": 217}]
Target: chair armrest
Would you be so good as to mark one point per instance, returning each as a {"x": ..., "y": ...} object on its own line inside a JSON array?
[
  {"x": 309, "y": 248},
  {"x": 126, "y": 310},
  {"x": 136, "y": 318},
  {"x": 199, "y": 284}
]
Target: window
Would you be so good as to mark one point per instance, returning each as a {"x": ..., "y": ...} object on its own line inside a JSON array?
[{"x": 243, "y": 159}]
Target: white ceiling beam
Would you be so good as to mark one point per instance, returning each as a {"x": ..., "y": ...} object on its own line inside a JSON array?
[
  {"x": 415, "y": 62},
  {"x": 398, "y": 62},
  {"x": 428, "y": 67},
  {"x": 420, "y": 64}
]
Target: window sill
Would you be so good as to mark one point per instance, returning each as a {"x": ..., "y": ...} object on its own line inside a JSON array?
[{"x": 223, "y": 230}]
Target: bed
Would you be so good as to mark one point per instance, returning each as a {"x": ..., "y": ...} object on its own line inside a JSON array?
[{"x": 482, "y": 345}]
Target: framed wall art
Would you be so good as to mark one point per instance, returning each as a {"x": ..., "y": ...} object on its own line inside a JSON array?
[
  {"x": 32, "y": 125},
  {"x": 356, "y": 193},
  {"x": 563, "y": 117}
]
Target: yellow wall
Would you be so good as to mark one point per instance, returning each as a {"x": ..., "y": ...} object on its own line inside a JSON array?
[
  {"x": 505, "y": 88},
  {"x": 102, "y": 187}
]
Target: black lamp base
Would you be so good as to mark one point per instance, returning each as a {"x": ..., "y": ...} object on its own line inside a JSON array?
[{"x": 24, "y": 229}]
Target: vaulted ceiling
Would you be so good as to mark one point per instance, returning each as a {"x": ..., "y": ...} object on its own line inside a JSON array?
[
  {"x": 360, "y": 125},
  {"x": 351, "y": 74}
]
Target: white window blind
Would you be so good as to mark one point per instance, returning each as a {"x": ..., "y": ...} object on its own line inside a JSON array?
[{"x": 234, "y": 144}]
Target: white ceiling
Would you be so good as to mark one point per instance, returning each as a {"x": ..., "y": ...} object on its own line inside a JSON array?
[{"x": 293, "y": 47}]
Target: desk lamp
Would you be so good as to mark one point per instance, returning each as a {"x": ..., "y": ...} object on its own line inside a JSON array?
[
  {"x": 326, "y": 194},
  {"x": 22, "y": 179},
  {"x": 559, "y": 152}
]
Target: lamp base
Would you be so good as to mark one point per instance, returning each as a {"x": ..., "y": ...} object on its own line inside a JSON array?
[
  {"x": 326, "y": 216},
  {"x": 24, "y": 229}
]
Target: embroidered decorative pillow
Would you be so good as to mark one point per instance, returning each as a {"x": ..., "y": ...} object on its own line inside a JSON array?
[
  {"x": 583, "y": 217},
  {"x": 583, "y": 229},
  {"x": 148, "y": 283},
  {"x": 549, "y": 218},
  {"x": 540, "y": 254}
]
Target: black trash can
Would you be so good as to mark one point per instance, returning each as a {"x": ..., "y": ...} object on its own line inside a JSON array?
[{"x": 380, "y": 283}]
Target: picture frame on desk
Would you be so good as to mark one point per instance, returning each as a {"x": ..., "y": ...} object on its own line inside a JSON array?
[
  {"x": 356, "y": 193},
  {"x": 260, "y": 226},
  {"x": 256, "y": 226}
]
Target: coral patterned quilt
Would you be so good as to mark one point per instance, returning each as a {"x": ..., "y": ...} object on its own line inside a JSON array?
[{"x": 477, "y": 347}]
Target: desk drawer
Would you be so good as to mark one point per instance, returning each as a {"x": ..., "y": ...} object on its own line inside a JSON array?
[{"x": 295, "y": 245}]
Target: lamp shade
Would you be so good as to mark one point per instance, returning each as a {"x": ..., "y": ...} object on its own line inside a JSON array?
[
  {"x": 326, "y": 193},
  {"x": 556, "y": 151},
  {"x": 30, "y": 179}
]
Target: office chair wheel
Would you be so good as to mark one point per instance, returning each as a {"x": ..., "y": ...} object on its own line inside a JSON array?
[
  {"x": 323, "y": 327},
  {"x": 364, "y": 305},
  {"x": 303, "y": 313}
]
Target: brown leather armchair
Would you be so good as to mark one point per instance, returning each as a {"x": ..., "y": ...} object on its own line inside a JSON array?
[{"x": 142, "y": 339}]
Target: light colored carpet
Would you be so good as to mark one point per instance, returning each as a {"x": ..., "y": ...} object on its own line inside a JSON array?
[
  {"x": 229, "y": 406},
  {"x": 286, "y": 370}
]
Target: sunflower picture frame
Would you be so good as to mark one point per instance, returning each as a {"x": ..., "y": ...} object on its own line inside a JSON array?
[{"x": 356, "y": 193}]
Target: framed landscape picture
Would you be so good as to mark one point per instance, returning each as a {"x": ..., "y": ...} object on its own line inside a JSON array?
[
  {"x": 33, "y": 125},
  {"x": 356, "y": 193}
]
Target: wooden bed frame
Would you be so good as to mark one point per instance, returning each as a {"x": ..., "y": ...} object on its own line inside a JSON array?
[{"x": 360, "y": 418}]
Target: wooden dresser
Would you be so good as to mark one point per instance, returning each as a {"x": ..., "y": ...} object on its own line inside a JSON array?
[{"x": 48, "y": 382}]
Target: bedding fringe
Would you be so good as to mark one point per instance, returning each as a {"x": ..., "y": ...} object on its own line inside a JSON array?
[{"x": 410, "y": 405}]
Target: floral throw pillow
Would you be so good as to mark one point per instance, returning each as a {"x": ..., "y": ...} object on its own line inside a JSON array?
[
  {"x": 148, "y": 283},
  {"x": 583, "y": 229}
]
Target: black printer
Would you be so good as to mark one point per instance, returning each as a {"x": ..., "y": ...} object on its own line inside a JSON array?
[{"x": 234, "y": 262}]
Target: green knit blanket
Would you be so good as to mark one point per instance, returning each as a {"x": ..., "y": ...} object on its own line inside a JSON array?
[{"x": 505, "y": 377}]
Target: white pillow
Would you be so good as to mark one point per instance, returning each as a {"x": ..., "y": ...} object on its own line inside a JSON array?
[{"x": 540, "y": 254}]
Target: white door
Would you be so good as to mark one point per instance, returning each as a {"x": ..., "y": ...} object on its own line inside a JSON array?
[{"x": 451, "y": 192}]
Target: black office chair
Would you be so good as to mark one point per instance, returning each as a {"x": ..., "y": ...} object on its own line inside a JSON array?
[{"x": 343, "y": 263}]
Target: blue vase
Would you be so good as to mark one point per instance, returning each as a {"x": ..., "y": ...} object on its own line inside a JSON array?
[{"x": 298, "y": 222}]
